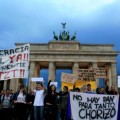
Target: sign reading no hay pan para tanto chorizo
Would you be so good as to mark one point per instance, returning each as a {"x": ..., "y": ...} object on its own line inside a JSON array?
[
  {"x": 86, "y": 106},
  {"x": 14, "y": 62}
]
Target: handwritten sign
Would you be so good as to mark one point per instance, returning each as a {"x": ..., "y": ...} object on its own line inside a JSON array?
[
  {"x": 91, "y": 74},
  {"x": 69, "y": 78},
  {"x": 14, "y": 63},
  {"x": 93, "y": 107}
]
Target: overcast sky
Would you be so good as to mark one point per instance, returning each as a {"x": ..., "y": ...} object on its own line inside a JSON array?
[{"x": 96, "y": 21}]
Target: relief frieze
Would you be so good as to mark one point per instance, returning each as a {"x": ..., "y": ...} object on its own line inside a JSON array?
[{"x": 63, "y": 46}]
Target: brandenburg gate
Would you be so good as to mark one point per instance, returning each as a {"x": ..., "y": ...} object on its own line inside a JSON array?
[{"x": 66, "y": 52}]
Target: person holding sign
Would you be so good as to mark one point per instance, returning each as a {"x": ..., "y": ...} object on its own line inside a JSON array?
[
  {"x": 39, "y": 101},
  {"x": 51, "y": 100}
]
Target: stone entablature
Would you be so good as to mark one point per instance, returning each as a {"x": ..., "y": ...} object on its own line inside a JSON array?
[
  {"x": 96, "y": 47},
  {"x": 71, "y": 51},
  {"x": 69, "y": 45},
  {"x": 64, "y": 45}
]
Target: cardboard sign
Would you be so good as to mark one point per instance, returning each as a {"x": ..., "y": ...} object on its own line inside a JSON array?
[
  {"x": 91, "y": 74},
  {"x": 69, "y": 78}
]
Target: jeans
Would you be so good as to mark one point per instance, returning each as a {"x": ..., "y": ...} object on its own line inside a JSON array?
[{"x": 38, "y": 112}]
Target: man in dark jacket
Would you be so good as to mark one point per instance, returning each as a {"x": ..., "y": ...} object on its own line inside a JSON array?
[
  {"x": 63, "y": 102},
  {"x": 112, "y": 91}
]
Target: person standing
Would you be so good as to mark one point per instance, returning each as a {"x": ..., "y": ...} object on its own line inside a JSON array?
[
  {"x": 63, "y": 102},
  {"x": 6, "y": 102},
  {"x": 51, "y": 103},
  {"x": 39, "y": 101},
  {"x": 20, "y": 100},
  {"x": 30, "y": 109},
  {"x": 89, "y": 91},
  {"x": 112, "y": 91}
]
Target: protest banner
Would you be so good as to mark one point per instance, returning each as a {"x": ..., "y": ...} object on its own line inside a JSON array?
[
  {"x": 14, "y": 63},
  {"x": 80, "y": 84},
  {"x": 69, "y": 78},
  {"x": 93, "y": 107}
]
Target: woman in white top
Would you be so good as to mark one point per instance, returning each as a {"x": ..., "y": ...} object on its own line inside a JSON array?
[{"x": 20, "y": 104}]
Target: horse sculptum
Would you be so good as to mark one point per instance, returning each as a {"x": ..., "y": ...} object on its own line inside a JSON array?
[
  {"x": 55, "y": 36},
  {"x": 60, "y": 36},
  {"x": 73, "y": 38}
]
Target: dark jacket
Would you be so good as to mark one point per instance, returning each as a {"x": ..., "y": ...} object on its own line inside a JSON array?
[
  {"x": 63, "y": 99},
  {"x": 16, "y": 95},
  {"x": 110, "y": 92}
]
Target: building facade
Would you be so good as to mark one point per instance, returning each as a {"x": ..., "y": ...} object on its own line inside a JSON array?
[{"x": 69, "y": 54}]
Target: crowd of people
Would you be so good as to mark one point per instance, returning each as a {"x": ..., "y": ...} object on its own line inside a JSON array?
[{"x": 41, "y": 103}]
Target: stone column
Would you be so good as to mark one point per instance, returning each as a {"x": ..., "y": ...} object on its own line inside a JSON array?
[
  {"x": 113, "y": 74},
  {"x": 108, "y": 67},
  {"x": 32, "y": 73},
  {"x": 37, "y": 70},
  {"x": 75, "y": 68},
  {"x": 14, "y": 84},
  {"x": 32, "y": 69},
  {"x": 94, "y": 65},
  {"x": 51, "y": 71},
  {"x": 5, "y": 85}
]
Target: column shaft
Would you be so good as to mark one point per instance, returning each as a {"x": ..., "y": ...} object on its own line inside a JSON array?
[
  {"x": 94, "y": 65},
  {"x": 113, "y": 74},
  {"x": 5, "y": 85},
  {"x": 13, "y": 84},
  {"x": 75, "y": 69},
  {"x": 32, "y": 73},
  {"x": 109, "y": 74},
  {"x": 51, "y": 71}
]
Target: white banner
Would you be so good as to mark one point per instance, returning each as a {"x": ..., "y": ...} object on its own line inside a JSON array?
[
  {"x": 14, "y": 63},
  {"x": 93, "y": 107},
  {"x": 54, "y": 83},
  {"x": 37, "y": 79}
]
